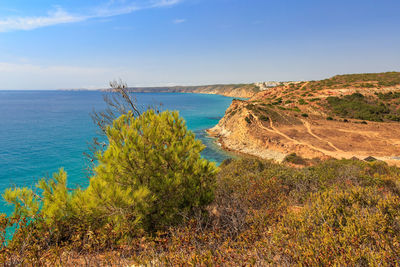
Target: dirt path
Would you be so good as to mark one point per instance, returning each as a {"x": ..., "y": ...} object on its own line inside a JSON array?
[
  {"x": 276, "y": 131},
  {"x": 304, "y": 85},
  {"x": 308, "y": 127},
  {"x": 336, "y": 154}
]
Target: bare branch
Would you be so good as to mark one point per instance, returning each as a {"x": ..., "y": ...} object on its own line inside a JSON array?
[{"x": 119, "y": 101}]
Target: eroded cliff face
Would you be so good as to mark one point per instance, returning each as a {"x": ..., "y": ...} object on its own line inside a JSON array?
[
  {"x": 241, "y": 92},
  {"x": 235, "y": 132}
]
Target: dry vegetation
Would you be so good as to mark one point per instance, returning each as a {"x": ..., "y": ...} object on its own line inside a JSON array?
[{"x": 335, "y": 213}]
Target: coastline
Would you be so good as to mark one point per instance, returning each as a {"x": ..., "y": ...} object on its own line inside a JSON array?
[
  {"x": 249, "y": 152},
  {"x": 228, "y": 90}
]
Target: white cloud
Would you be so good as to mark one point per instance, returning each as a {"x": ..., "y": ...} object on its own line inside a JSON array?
[
  {"x": 61, "y": 16},
  {"x": 51, "y": 77},
  {"x": 58, "y": 16},
  {"x": 163, "y": 3},
  {"x": 179, "y": 21}
]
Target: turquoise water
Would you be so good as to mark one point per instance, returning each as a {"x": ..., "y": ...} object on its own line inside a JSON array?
[{"x": 41, "y": 131}]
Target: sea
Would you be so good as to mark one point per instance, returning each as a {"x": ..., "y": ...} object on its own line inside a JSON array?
[{"x": 42, "y": 131}]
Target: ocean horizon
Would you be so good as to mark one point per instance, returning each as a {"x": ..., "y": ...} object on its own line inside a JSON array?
[{"x": 44, "y": 130}]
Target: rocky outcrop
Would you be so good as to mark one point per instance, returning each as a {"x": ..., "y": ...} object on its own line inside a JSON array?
[{"x": 235, "y": 132}]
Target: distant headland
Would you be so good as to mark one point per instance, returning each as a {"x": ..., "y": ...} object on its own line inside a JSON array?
[{"x": 230, "y": 90}]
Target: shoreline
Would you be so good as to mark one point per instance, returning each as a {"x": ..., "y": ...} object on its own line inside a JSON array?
[{"x": 253, "y": 152}]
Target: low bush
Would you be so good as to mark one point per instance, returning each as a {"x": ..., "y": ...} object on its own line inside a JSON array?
[
  {"x": 295, "y": 159},
  {"x": 359, "y": 226},
  {"x": 248, "y": 119},
  {"x": 302, "y": 102}
]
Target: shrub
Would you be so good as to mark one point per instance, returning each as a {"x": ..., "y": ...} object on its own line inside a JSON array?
[
  {"x": 248, "y": 120},
  {"x": 277, "y": 102},
  {"x": 302, "y": 102},
  {"x": 305, "y": 115},
  {"x": 295, "y": 159}
]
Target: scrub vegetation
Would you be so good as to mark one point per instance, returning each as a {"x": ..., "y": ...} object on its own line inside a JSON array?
[
  {"x": 363, "y": 80},
  {"x": 358, "y": 106},
  {"x": 337, "y": 212}
]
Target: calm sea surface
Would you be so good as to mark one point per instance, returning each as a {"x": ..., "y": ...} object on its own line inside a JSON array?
[{"x": 42, "y": 131}]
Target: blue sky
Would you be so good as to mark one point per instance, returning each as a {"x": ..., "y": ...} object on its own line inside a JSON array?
[{"x": 86, "y": 43}]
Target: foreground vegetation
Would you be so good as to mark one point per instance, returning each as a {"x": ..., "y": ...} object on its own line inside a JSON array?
[{"x": 336, "y": 212}]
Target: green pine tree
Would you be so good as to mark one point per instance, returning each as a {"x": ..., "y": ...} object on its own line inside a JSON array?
[{"x": 150, "y": 176}]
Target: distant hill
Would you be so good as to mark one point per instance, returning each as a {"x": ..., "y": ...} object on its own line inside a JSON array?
[
  {"x": 364, "y": 80},
  {"x": 231, "y": 90}
]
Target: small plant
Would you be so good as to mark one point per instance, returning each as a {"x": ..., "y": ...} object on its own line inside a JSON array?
[
  {"x": 233, "y": 113},
  {"x": 278, "y": 101},
  {"x": 302, "y": 102},
  {"x": 248, "y": 120},
  {"x": 305, "y": 115}
]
